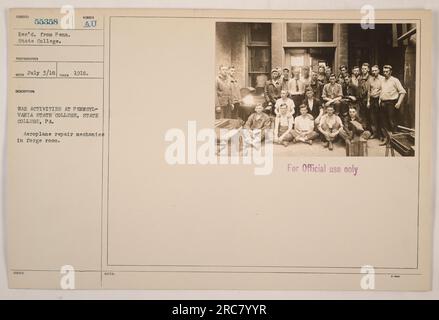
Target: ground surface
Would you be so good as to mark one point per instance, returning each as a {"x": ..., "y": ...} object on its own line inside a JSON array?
[{"x": 317, "y": 149}]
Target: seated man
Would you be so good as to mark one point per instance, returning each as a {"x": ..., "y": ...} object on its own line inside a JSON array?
[
  {"x": 330, "y": 126},
  {"x": 283, "y": 126},
  {"x": 304, "y": 126},
  {"x": 353, "y": 127},
  {"x": 254, "y": 128},
  {"x": 284, "y": 100}
]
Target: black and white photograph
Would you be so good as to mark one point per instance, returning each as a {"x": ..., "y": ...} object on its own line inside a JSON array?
[{"x": 320, "y": 89}]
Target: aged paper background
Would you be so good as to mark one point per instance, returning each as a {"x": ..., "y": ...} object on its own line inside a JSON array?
[{"x": 151, "y": 208}]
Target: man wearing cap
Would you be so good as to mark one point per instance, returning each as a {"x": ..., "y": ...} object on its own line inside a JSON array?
[
  {"x": 272, "y": 90},
  {"x": 391, "y": 96},
  {"x": 296, "y": 89}
]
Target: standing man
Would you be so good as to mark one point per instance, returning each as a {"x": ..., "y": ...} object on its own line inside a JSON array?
[
  {"x": 340, "y": 80},
  {"x": 350, "y": 96},
  {"x": 348, "y": 88},
  {"x": 316, "y": 86},
  {"x": 328, "y": 72},
  {"x": 306, "y": 78},
  {"x": 345, "y": 85},
  {"x": 296, "y": 89},
  {"x": 285, "y": 78},
  {"x": 343, "y": 71},
  {"x": 363, "y": 90},
  {"x": 332, "y": 94},
  {"x": 272, "y": 90},
  {"x": 235, "y": 89},
  {"x": 321, "y": 75},
  {"x": 355, "y": 76},
  {"x": 392, "y": 95},
  {"x": 373, "y": 103},
  {"x": 223, "y": 98}
]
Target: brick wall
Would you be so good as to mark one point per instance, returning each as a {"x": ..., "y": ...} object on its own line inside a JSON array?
[
  {"x": 230, "y": 48},
  {"x": 222, "y": 46},
  {"x": 277, "y": 50},
  {"x": 342, "y": 52},
  {"x": 238, "y": 50}
]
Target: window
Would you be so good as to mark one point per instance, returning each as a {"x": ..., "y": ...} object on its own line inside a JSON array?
[
  {"x": 310, "y": 32},
  {"x": 259, "y": 32},
  {"x": 325, "y": 32},
  {"x": 258, "y": 53},
  {"x": 294, "y": 32},
  {"x": 259, "y": 58}
]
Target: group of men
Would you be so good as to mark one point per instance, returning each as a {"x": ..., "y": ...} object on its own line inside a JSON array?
[{"x": 363, "y": 103}]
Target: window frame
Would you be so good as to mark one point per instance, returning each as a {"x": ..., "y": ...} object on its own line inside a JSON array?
[
  {"x": 291, "y": 44},
  {"x": 255, "y": 44}
]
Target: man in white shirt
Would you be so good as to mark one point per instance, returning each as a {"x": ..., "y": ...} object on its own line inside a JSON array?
[
  {"x": 330, "y": 126},
  {"x": 373, "y": 98},
  {"x": 306, "y": 76},
  {"x": 283, "y": 126},
  {"x": 296, "y": 89},
  {"x": 284, "y": 100},
  {"x": 304, "y": 126},
  {"x": 391, "y": 96}
]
